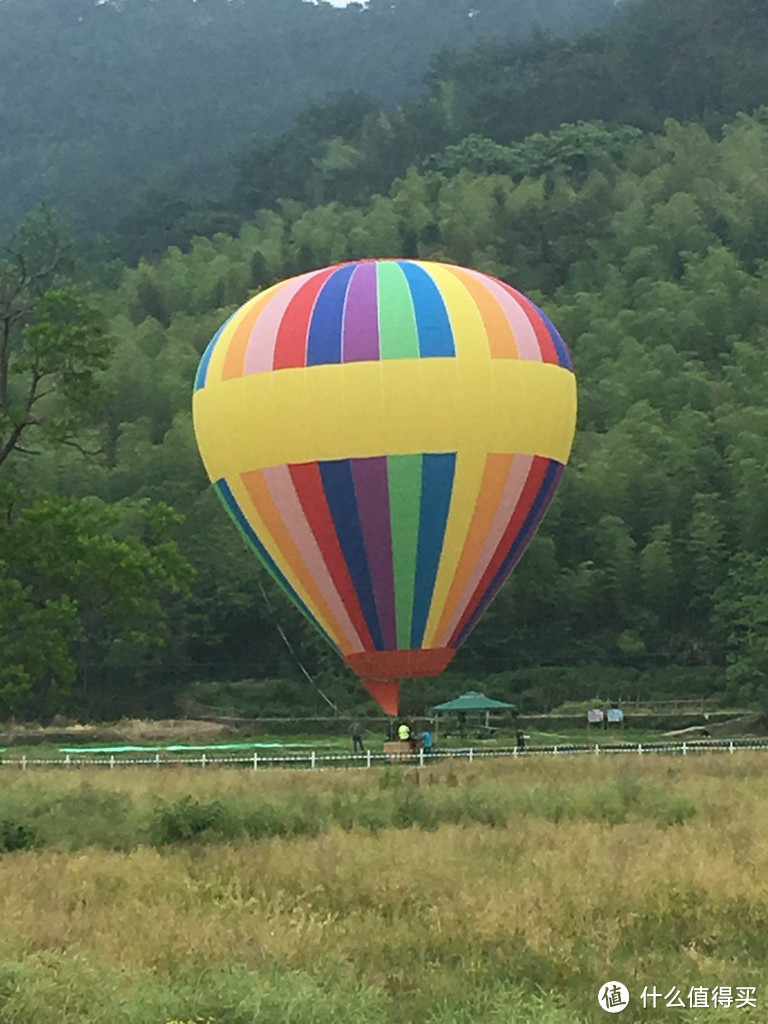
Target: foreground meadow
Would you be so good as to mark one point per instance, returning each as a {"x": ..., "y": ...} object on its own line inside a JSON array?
[{"x": 462, "y": 893}]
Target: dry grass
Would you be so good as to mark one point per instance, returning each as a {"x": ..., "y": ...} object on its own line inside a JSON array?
[
  {"x": 127, "y": 730},
  {"x": 408, "y": 922}
]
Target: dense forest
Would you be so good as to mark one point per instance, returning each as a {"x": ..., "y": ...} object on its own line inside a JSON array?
[
  {"x": 102, "y": 101},
  {"x": 642, "y": 230}
]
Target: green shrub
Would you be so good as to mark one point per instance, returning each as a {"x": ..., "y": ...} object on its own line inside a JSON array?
[
  {"x": 16, "y": 837},
  {"x": 189, "y": 819}
]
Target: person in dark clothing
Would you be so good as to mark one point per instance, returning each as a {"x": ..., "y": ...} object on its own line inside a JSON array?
[
  {"x": 356, "y": 731},
  {"x": 521, "y": 739}
]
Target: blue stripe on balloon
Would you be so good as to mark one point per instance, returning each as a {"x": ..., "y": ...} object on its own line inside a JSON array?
[
  {"x": 529, "y": 527},
  {"x": 325, "y": 327},
  {"x": 230, "y": 504},
  {"x": 432, "y": 321},
  {"x": 202, "y": 370},
  {"x": 436, "y": 487},
  {"x": 563, "y": 355},
  {"x": 339, "y": 487}
]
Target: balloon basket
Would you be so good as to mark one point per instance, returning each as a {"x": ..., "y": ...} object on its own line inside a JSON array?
[{"x": 400, "y": 752}]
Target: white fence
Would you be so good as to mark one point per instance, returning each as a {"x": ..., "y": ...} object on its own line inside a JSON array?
[{"x": 369, "y": 759}]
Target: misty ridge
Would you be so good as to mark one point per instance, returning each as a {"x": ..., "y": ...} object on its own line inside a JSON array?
[{"x": 103, "y": 101}]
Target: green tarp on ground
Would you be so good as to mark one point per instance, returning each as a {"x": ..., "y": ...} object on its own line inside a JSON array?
[{"x": 180, "y": 748}]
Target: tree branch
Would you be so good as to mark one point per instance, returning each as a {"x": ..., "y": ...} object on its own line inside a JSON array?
[
  {"x": 22, "y": 424},
  {"x": 83, "y": 451}
]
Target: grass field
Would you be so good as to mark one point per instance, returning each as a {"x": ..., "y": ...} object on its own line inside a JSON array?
[{"x": 461, "y": 894}]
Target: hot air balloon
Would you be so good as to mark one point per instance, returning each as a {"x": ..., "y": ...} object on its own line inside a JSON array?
[{"x": 387, "y": 434}]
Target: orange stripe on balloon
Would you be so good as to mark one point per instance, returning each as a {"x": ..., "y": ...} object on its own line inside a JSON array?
[
  {"x": 237, "y": 339},
  {"x": 258, "y": 492},
  {"x": 526, "y": 339},
  {"x": 501, "y": 337},
  {"x": 519, "y": 466},
  {"x": 495, "y": 476},
  {"x": 289, "y": 508}
]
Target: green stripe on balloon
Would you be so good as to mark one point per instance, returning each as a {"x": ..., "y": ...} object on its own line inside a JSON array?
[
  {"x": 397, "y": 320},
  {"x": 404, "y": 473}
]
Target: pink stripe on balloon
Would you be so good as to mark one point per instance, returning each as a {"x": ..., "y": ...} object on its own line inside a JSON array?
[
  {"x": 518, "y": 474},
  {"x": 525, "y": 335},
  {"x": 283, "y": 493},
  {"x": 260, "y": 353}
]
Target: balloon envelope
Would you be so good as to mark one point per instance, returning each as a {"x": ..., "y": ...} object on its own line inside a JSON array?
[{"x": 387, "y": 434}]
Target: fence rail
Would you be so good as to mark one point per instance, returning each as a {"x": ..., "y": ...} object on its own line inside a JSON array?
[{"x": 314, "y": 760}]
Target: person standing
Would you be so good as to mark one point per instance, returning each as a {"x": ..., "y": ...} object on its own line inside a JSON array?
[
  {"x": 356, "y": 731},
  {"x": 426, "y": 741},
  {"x": 521, "y": 739}
]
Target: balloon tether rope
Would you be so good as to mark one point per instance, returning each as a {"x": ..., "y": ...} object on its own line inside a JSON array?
[{"x": 290, "y": 647}]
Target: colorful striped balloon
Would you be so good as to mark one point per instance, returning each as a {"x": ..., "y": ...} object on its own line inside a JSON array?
[{"x": 387, "y": 435}]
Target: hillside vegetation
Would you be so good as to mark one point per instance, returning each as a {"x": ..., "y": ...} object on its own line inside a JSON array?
[
  {"x": 103, "y": 101},
  {"x": 125, "y": 584}
]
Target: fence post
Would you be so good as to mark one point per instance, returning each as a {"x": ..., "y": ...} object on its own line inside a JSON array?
[
  {"x": 554, "y": 751},
  {"x": 67, "y": 760},
  {"x": 23, "y": 762},
  {"x": 157, "y": 760},
  {"x": 471, "y": 755},
  {"x": 255, "y": 760},
  {"x": 111, "y": 760},
  {"x": 421, "y": 757},
  {"x": 730, "y": 747},
  {"x": 639, "y": 748},
  {"x": 313, "y": 759},
  {"x": 367, "y": 759},
  {"x": 202, "y": 760},
  {"x": 514, "y": 752},
  {"x": 597, "y": 748},
  {"x": 685, "y": 748}
]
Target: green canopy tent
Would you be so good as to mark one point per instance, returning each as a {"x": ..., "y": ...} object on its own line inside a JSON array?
[{"x": 472, "y": 700}]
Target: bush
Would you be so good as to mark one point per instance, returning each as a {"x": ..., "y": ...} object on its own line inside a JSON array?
[
  {"x": 16, "y": 837},
  {"x": 189, "y": 819}
]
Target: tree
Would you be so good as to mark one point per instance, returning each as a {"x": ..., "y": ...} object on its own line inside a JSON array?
[
  {"x": 52, "y": 342},
  {"x": 742, "y": 614},
  {"x": 84, "y": 583}
]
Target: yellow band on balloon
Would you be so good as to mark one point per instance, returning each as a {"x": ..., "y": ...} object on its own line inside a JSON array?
[{"x": 392, "y": 407}]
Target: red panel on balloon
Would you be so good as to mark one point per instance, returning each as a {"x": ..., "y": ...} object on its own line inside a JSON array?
[
  {"x": 386, "y": 694},
  {"x": 411, "y": 664}
]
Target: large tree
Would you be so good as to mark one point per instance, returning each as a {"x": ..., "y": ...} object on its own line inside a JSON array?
[
  {"x": 80, "y": 580},
  {"x": 52, "y": 340}
]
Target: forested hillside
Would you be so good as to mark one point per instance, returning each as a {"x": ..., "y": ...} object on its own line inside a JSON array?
[
  {"x": 103, "y": 101},
  {"x": 126, "y": 587}
]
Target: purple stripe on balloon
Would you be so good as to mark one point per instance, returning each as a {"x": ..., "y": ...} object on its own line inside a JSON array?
[
  {"x": 360, "y": 338},
  {"x": 372, "y": 493}
]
